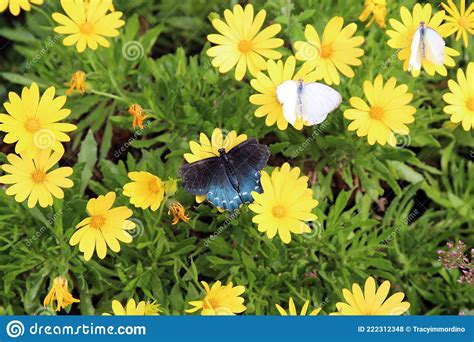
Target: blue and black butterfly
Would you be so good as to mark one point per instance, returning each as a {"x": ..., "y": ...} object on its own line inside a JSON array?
[{"x": 229, "y": 178}]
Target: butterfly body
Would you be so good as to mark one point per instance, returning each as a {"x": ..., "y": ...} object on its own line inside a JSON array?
[
  {"x": 228, "y": 179},
  {"x": 422, "y": 39},
  {"x": 299, "y": 97},
  {"x": 230, "y": 171}
]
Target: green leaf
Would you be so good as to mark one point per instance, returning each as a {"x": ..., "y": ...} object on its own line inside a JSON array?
[
  {"x": 279, "y": 147},
  {"x": 88, "y": 156},
  {"x": 106, "y": 140},
  {"x": 17, "y": 79},
  {"x": 405, "y": 172},
  {"x": 17, "y": 35}
]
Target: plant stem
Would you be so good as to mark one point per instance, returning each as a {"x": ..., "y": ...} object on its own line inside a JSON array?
[{"x": 111, "y": 96}]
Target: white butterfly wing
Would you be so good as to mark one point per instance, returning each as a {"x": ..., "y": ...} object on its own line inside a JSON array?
[
  {"x": 415, "y": 56},
  {"x": 434, "y": 46},
  {"x": 318, "y": 101},
  {"x": 287, "y": 95}
]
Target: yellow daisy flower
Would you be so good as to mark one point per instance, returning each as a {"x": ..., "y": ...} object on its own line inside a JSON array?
[
  {"x": 15, "y": 6},
  {"x": 402, "y": 35},
  {"x": 152, "y": 308},
  {"x": 60, "y": 294},
  {"x": 267, "y": 83},
  {"x": 28, "y": 177},
  {"x": 105, "y": 226},
  {"x": 459, "y": 20},
  {"x": 87, "y": 25},
  {"x": 146, "y": 190},
  {"x": 133, "y": 309},
  {"x": 240, "y": 42},
  {"x": 220, "y": 300},
  {"x": 285, "y": 204},
  {"x": 461, "y": 98},
  {"x": 78, "y": 81},
  {"x": 32, "y": 121},
  {"x": 111, "y": 7},
  {"x": 210, "y": 148},
  {"x": 378, "y": 10},
  {"x": 387, "y": 112},
  {"x": 372, "y": 301},
  {"x": 292, "y": 309},
  {"x": 335, "y": 53}
]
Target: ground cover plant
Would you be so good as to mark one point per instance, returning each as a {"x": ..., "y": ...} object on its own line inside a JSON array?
[{"x": 368, "y": 212}]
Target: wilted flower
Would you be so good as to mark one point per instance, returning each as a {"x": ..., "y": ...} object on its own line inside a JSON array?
[
  {"x": 59, "y": 293},
  {"x": 178, "y": 212},
  {"x": 138, "y": 114},
  {"x": 78, "y": 81}
]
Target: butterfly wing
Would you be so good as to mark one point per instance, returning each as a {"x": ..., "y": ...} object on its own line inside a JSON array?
[
  {"x": 318, "y": 101},
  {"x": 415, "y": 56},
  {"x": 287, "y": 95},
  {"x": 247, "y": 159},
  {"x": 250, "y": 152},
  {"x": 221, "y": 193},
  {"x": 434, "y": 46},
  {"x": 197, "y": 176},
  {"x": 211, "y": 177}
]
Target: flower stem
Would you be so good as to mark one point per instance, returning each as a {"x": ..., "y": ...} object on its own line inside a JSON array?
[{"x": 111, "y": 96}]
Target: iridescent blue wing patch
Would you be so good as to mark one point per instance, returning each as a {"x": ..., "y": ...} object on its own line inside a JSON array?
[{"x": 222, "y": 193}]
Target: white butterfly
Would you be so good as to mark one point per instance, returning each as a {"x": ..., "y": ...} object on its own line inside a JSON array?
[
  {"x": 311, "y": 102},
  {"x": 426, "y": 44}
]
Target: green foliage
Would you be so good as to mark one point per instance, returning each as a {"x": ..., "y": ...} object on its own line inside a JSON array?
[{"x": 383, "y": 211}]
